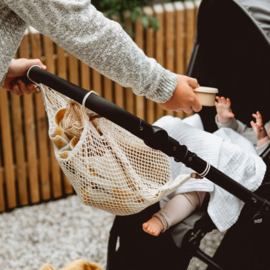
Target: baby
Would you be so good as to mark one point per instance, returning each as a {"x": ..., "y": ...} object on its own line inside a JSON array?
[
  {"x": 183, "y": 204},
  {"x": 223, "y": 208}
]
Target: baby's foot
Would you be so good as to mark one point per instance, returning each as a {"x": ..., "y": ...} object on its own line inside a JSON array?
[
  {"x": 224, "y": 111},
  {"x": 153, "y": 226}
]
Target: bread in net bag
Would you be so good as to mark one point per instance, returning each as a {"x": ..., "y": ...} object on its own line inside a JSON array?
[{"x": 108, "y": 167}]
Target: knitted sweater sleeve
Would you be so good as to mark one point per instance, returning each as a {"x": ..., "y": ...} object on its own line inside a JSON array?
[
  {"x": 101, "y": 43},
  {"x": 12, "y": 29}
]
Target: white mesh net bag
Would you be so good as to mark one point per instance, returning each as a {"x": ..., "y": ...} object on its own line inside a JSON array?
[{"x": 108, "y": 167}]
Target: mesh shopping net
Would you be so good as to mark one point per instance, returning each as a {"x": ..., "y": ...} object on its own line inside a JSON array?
[{"x": 108, "y": 167}]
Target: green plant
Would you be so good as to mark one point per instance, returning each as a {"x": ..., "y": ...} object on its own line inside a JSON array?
[{"x": 116, "y": 9}]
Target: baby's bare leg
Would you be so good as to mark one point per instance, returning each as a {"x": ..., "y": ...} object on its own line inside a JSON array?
[{"x": 177, "y": 209}]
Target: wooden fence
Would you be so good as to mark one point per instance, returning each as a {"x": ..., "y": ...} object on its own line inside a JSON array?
[{"x": 29, "y": 173}]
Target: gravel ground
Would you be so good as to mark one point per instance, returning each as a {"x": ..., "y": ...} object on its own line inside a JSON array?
[{"x": 61, "y": 231}]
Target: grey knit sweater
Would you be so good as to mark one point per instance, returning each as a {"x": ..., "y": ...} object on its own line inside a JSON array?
[{"x": 80, "y": 29}]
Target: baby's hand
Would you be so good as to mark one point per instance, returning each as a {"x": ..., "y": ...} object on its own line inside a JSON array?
[
  {"x": 224, "y": 110},
  {"x": 259, "y": 129}
]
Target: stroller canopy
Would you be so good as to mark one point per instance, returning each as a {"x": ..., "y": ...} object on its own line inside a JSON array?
[{"x": 232, "y": 53}]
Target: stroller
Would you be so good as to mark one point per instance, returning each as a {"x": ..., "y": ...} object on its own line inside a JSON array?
[{"x": 231, "y": 52}]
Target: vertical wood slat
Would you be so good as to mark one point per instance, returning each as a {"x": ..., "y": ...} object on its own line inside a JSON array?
[
  {"x": 119, "y": 94},
  {"x": 21, "y": 174},
  {"x": 169, "y": 37},
  {"x": 42, "y": 126},
  {"x": 55, "y": 168},
  {"x": 2, "y": 198},
  {"x": 180, "y": 43},
  {"x": 139, "y": 40},
  {"x": 129, "y": 95},
  {"x": 108, "y": 89},
  {"x": 61, "y": 62},
  {"x": 73, "y": 68},
  {"x": 190, "y": 33},
  {"x": 96, "y": 78},
  {"x": 85, "y": 76},
  {"x": 159, "y": 46},
  {"x": 62, "y": 72},
  {"x": 7, "y": 150},
  {"x": 180, "y": 38},
  {"x": 18, "y": 135},
  {"x": 149, "y": 51},
  {"x": 30, "y": 132},
  {"x": 190, "y": 29}
]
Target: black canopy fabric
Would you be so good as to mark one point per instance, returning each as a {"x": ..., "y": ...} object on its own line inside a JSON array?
[
  {"x": 232, "y": 53},
  {"x": 259, "y": 11}
]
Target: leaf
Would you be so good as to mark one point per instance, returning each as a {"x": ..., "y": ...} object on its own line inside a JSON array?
[
  {"x": 155, "y": 23},
  {"x": 146, "y": 20},
  {"x": 134, "y": 15}
]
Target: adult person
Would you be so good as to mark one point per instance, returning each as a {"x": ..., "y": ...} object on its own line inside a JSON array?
[{"x": 80, "y": 29}]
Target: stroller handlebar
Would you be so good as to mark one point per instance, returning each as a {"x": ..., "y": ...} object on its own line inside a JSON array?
[
  {"x": 153, "y": 136},
  {"x": 96, "y": 103}
]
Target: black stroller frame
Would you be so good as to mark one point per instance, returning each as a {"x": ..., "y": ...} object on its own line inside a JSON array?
[
  {"x": 257, "y": 204},
  {"x": 156, "y": 138}
]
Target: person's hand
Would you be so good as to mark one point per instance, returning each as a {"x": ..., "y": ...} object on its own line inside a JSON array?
[
  {"x": 259, "y": 129},
  {"x": 224, "y": 111},
  {"x": 183, "y": 98},
  {"x": 19, "y": 68}
]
